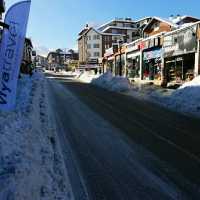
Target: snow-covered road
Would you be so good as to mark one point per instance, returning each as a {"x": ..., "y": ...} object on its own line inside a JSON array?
[{"x": 107, "y": 163}]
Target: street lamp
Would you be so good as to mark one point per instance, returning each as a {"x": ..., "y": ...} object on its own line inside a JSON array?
[{"x": 120, "y": 42}]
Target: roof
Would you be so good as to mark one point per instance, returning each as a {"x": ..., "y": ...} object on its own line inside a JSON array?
[
  {"x": 178, "y": 19},
  {"x": 183, "y": 27},
  {"x": 102, "y": 33},
  {"x": 142, "y": 19},
  {"x": 161, "y": 20},
  {"x": 118, "y": 27},
  {"x": 116, "y": 20}
]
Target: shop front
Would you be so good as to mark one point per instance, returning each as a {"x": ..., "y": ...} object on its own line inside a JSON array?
[
  {"x": 110, "y": 64},
  {"x": 152, "y": 63},
  {"x": 109, "y": 60},
  {"x": 152, "y": 59},
  {"x": 179, "y": 56},
  {"x": 133, "y": 58},
  {"x": 179, "y": 68},
  {"x": 120, "y": 61},
  {"x": 120, "y": 64}
]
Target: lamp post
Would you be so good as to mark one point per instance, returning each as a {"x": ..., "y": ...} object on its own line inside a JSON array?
[{"x": 120, "y": 42}]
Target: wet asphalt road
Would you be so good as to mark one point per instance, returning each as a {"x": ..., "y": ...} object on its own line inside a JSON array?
[{"x": 104, "y": 161}]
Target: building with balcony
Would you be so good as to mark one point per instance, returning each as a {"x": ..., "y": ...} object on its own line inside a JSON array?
[
  {"x": 93, "y": 42},
  {"x": 59, "y": 59}
]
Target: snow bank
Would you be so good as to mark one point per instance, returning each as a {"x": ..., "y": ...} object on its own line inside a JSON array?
[
  {"x": 87, "y": 76},
  {"x": 108, "y": 81},
  {"x": 31, "y": 165},
  {"x": 187, "y": 98}
]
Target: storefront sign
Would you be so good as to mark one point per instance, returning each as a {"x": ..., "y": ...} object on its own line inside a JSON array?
[
  {"x": 133, "y": 47},
  {"x": 133, "y": 55},
  {"x": 180, "y": 43},
  {"x": 148, "y": 55}
]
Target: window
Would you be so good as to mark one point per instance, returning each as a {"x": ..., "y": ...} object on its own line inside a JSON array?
[
  {"x": 96, "y": 54},
  {"x": 89, "y": 46},
  {"x": 89, "y": 37},
  {"x": 96, "y": 37},
  {"x": 96, "y": 46}
]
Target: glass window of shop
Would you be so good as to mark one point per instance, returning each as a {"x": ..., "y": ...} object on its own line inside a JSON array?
[
  {"x": 180, "y": 68},
  {"x": 133, "y": 67},
  {"x": 118, "y": 63},
  {"x": 152, "y": 69}
]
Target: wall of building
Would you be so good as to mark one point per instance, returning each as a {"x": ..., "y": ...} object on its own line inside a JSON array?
[
  {"x": 156, "y": 28},
  {"x": 94, "y": 45}
]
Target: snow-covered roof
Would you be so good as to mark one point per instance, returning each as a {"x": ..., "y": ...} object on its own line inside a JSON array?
[
  {"x": 161, "y": 20},
  {"x": 102, "y": 33},
  {"x": 142, "y": 19},
  {"x": 178, "y": 19},
  {"x": 115, "y": 20},
  {"x": 182, "y": 27},
  {"x": 118, "y": 27}
]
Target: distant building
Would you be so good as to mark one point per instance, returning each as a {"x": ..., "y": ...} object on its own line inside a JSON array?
[
  {"x": 41, "y": 61},
  {"x": 93, "y": 42},
  {"x": 60, "y": 58},
  {"x": 28, "y": 49},
  {"x": 27, "y": 60}
]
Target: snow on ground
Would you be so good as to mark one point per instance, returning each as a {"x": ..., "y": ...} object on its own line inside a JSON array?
[
  {"x": 87, "y": 76},
  {"x": 31, "y": 163},
  {"x": 186, "y": 99},
  {"x": 113, "y": 83}
]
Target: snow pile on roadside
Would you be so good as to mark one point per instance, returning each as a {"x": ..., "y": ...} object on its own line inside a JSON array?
[
  {"x": 87, "y": 76},
  {"x": 31, "y": 163},
  {"x": 187, "y": 98},
  {"x": 70, "y": 73},
  {"x": 108, "y": 81}
]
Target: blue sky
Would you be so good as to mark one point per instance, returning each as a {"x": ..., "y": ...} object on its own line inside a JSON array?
[{"x": 56, "y": 23}]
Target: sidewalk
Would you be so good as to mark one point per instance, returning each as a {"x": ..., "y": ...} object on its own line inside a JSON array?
[{"x": 31, "y": 163}]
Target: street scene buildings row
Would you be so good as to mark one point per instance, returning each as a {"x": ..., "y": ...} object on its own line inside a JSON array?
[{"x": 163, "y": 51}]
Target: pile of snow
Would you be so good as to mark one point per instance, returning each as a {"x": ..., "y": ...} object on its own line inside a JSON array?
[
  {"x": 112, "y": 83},
  {"x": 187, "y": 98},
  {"x": 31, "y": 163},
  {"x": 87, "y": 76}
]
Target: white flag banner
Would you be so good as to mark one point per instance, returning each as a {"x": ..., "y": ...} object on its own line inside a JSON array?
[{"x": 11, "y": 52}]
